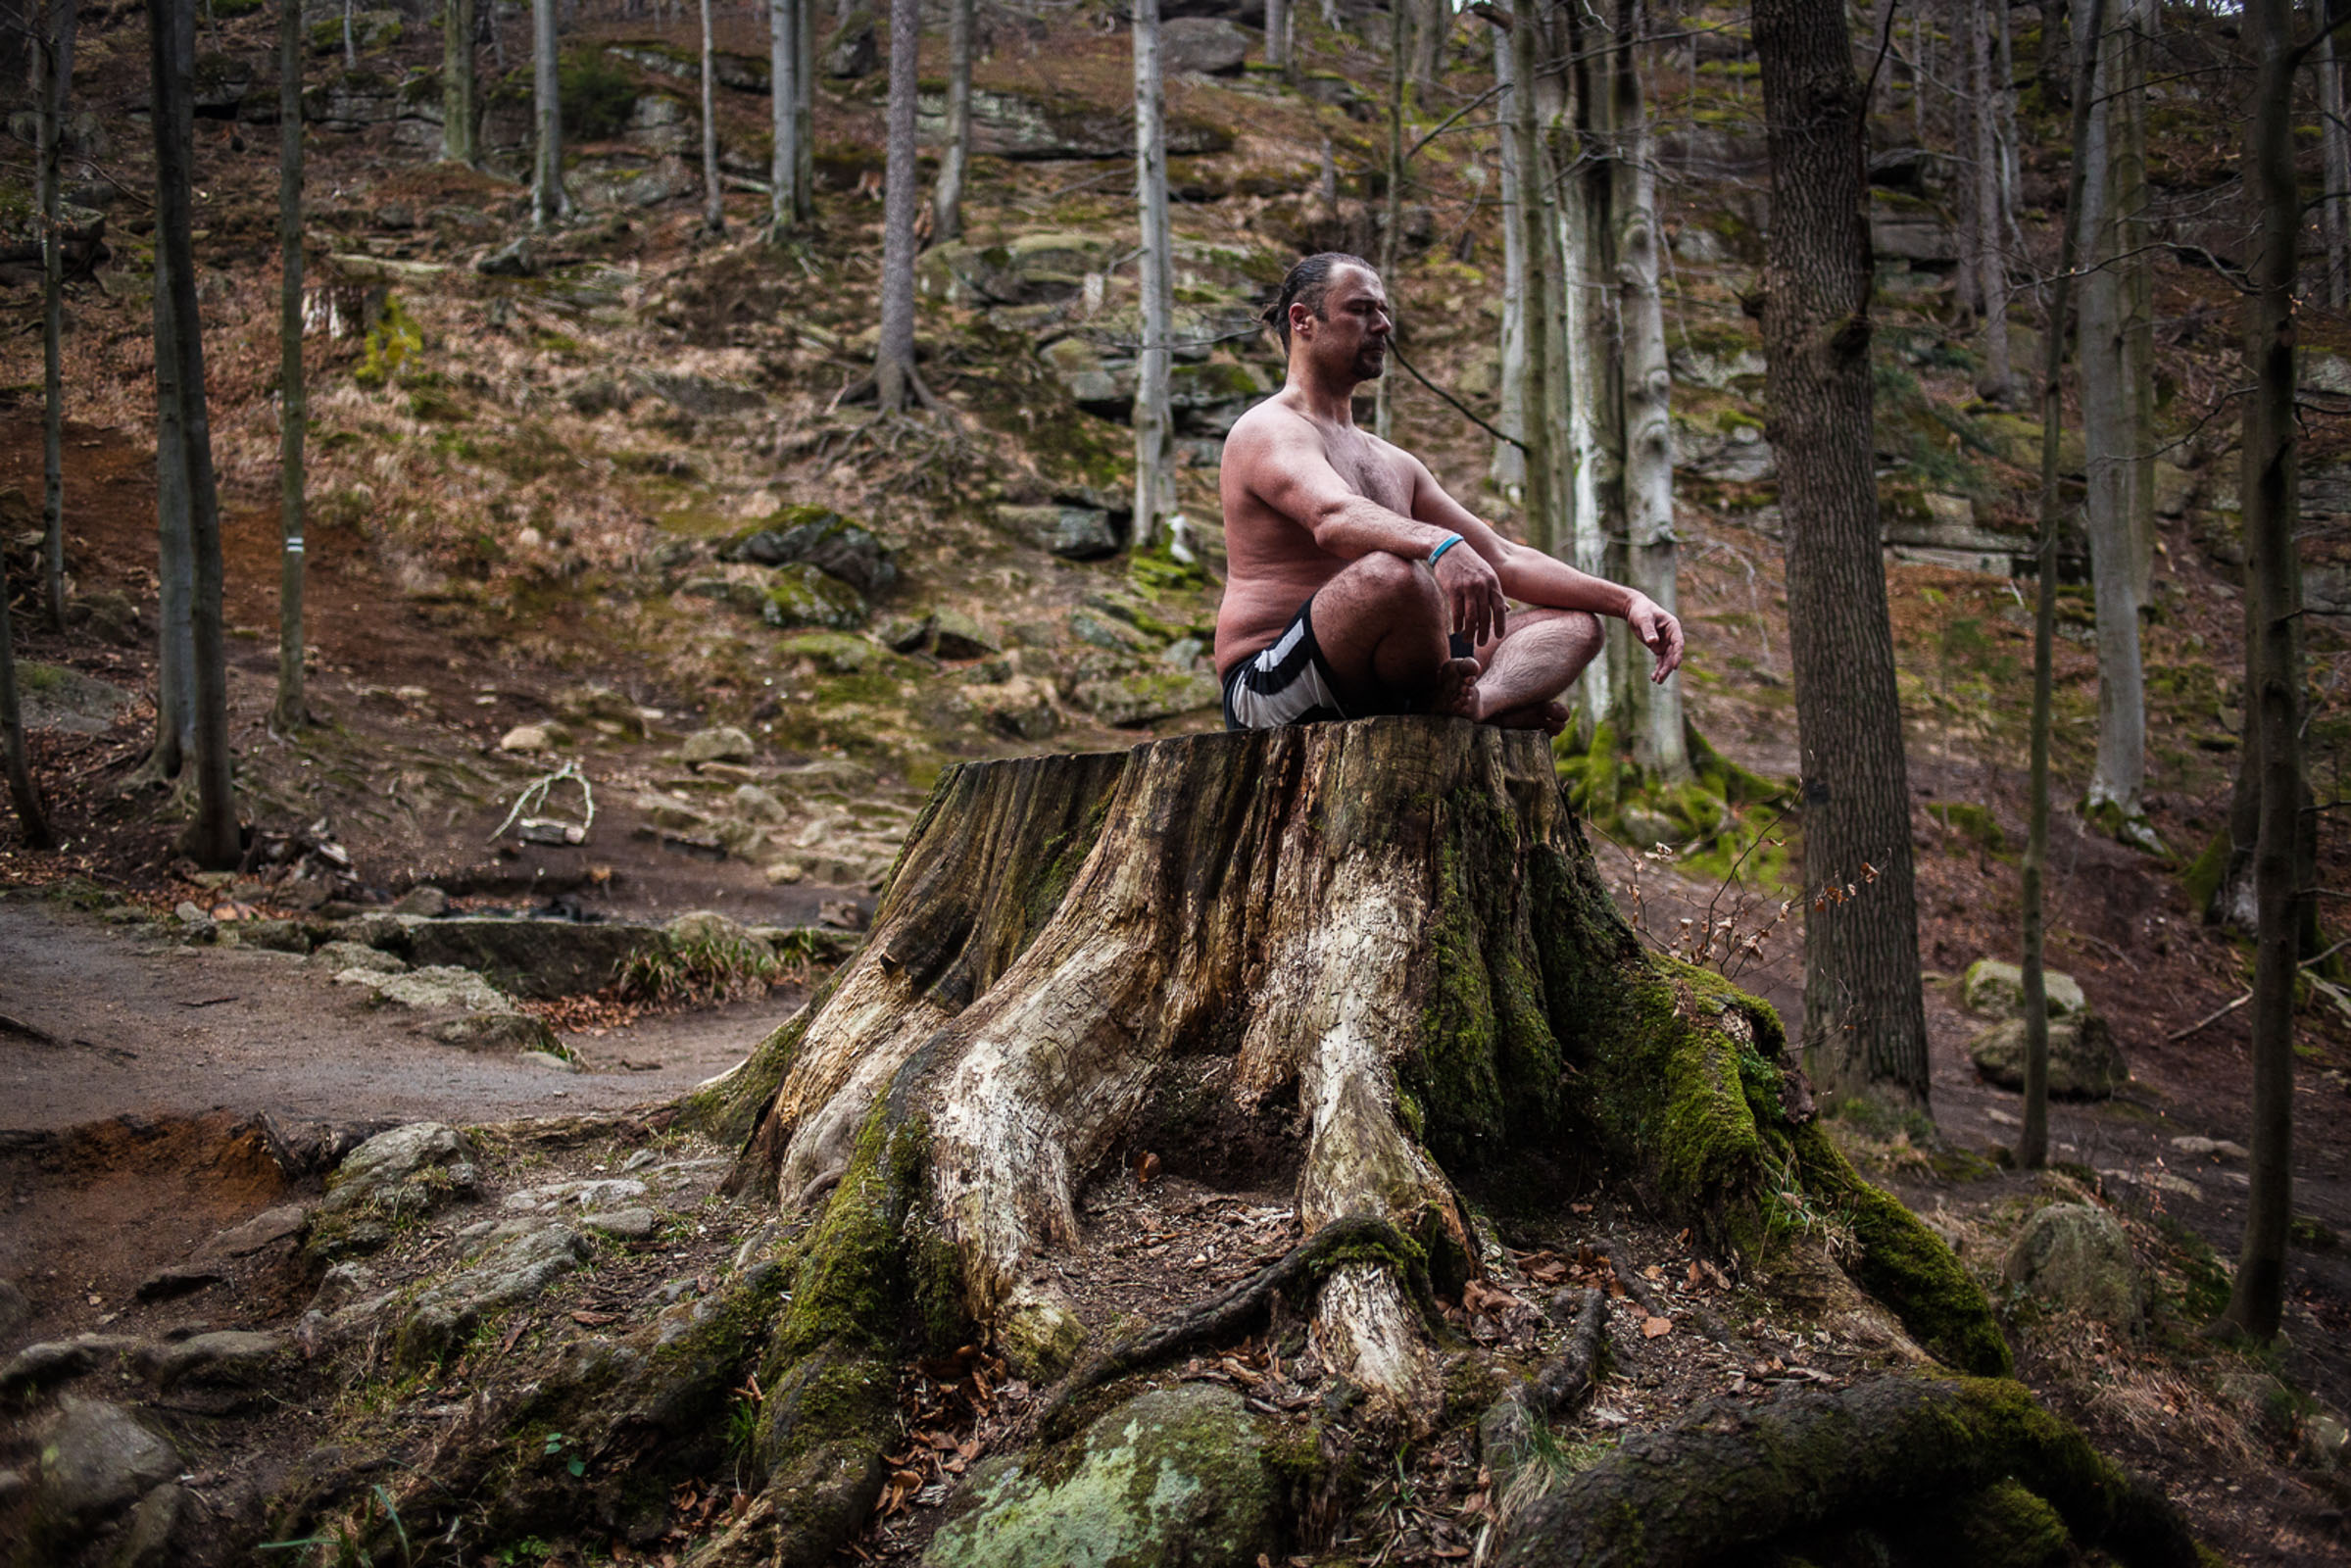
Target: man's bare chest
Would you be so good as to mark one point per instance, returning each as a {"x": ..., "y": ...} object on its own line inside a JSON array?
[{"x": 1371, "y": 473}]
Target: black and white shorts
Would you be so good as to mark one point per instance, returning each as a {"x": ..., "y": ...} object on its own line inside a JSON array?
[{"x": 1285, "y": 683}]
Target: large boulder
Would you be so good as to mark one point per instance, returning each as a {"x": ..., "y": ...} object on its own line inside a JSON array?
[
  {"x": 854, "y": 52},
  {"x": 826, "y": 540},
  {"x": 1074, "y": 533},
  {"x": 98, "y": 1458},
  {"x": 2084, "y": 1062},
  {"x": 2078, "y": 1258},
  {"x": 804, "y": 594},
  {"x": 536, "y": 959},
  {"x": 523, "y": 1262},
  {"x": 1017, "y": 124},
  {"x": 1173, "y": 1476},
  {"x": 1208, "y": 45},
  {"x": 1027, "y": 269},
  {"x": 1994, "y": 989},
  {"x": 1125, "y": 702}
]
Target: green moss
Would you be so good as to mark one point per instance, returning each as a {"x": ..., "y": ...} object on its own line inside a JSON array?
[
  {"x": 1972, "y": 822},
  {"x": 391, "y": 343},
  {"x": 1902, "y": 1263},
  {"x": 596, "y": 94},
  {"x": 2202, "y": 879}
]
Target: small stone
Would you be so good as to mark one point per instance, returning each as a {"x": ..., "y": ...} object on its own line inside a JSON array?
[
  {"x": 439, "y": 986},
  {"x": 2078, "y": 1258},
  {"x": 2210, "y": 1147},
  {"x": 341, "y": 1284},
  {"x": 339, "y": 958},
  {"x": 723, "y": 744},
  {"x": 755, "y": 805},
  {"x": 230, "y": 1357},
  {"x": 622, "y": 1224},
  {"x": 265, "y": 1229},
  {"x": 424, "y": 900},
  {"x": 534, "y": 739},
  {"x": 1125, "y": 702},
  {"x": 149, "y": 1541},
  {"x": 54, "y": 1361},
  {"x": 495, "y": 1030},
  {"x": 177, "y": 1279},
  {"x": 957, "y": 635},
  {"x": 549, "y": 1060},
  {"x": 782, "y": 873},
  {"x": 2265, "y": 1404},
  {"x": 97, "y": 1458},
  {"x": 422, "y": 1158},
  {"x": 187, "y": 912}
]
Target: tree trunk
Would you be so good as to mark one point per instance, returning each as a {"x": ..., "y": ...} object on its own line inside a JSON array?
[
  {"x": 1989, "y": 262},
  {"x": 1509, "y": 466},
  {"x": 1657, "y": 737},
  {"x": 804, "y": 109},
  {"x": 52, "y": 52},
  {"x": 1429, "y": 29},
  {"x": 2111, "y": 444},
  {"x": 292, "y": 709},
  {"x": 32, "y": 823},
  {"x": 550, "y": 202},
  {"x": 2055, "y": 67},
  {"x": 1865, "y": 1029},
  {"x": 947, "y": 202},
  {"x": 783, "y": 105},
  {"x": 893, "y": 356},
  {"x": 2334, "y": 142},
  {"x": 1154, "y": 414},
  {"x": 1592, "y": 377},
  {"x": 713, "y": 203},
  {"x": 350, "y": 48},
  {"x": 2033, "y": 1142},
  {"x": 2134, "y": 237},
  {"x": 175, "y": 553},
  {"x": 2273, "y": 664},
  {"x": 1392, "y": 213},
  {"x": 1277, "y": 36},
  {"x": 214, "y": 839},
  {"x": 460, "y": 121},
  {"x": 1969, "y": 108},
  {"x": 1541, "y": 393}
]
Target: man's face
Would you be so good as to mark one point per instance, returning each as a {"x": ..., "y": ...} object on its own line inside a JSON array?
[{"x": 1353, "y": 329}]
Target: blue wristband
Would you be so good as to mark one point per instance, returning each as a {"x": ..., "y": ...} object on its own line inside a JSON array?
[{"x": 1450, "y": 540}]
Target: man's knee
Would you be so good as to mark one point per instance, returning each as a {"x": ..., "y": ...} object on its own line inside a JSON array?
[{"x": 1393, "y": 582}]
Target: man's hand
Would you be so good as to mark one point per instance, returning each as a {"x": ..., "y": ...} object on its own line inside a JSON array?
[
  {"x": 1474, "y": 595},
  {"x": 1659, "y": 632}
]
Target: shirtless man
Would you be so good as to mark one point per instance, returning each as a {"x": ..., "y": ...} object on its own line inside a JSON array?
[{"x": 1354, "y": 584}]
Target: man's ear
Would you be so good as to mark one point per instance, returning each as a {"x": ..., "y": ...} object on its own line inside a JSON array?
[{"x": 1302, "y": 319}]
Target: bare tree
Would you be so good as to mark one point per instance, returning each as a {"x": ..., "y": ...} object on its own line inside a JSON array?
[
  {"x": 783, "y": 103},
  {"x": 175, "y": 553},
  {"x": 1277, "y": 36},
  {"x": 946, "y": 201},
  {"x": 894, "y": 374},
  {"x": 2273, "y": 665},
  {"x": 1865, "y": 1029},
  {"x": 1988, "y": 259},
  {"x": 292, "y": 709},
  {"x": 1592, "y": 374},
  {"x": 1541, "y": 392},
  {"x": 350, "y": 48},
  {"x": 460, "y": 114},
  {"x": 2032, "y": 1141},
  {"x": 1509, "y": 465},
  {"x": 804, "y": 106},
  {"x": 2334, "y": 143},
  {"x": 550, "y": 202},
  {"x": 713, "y": 203},
  {"x": 53, "y": 59},
  {"x": 214, "y": 838},
  {"x": 32, "y": 822},
  {"x": 1154, "y": 415},
  {"x": 1392, "y": 215}
]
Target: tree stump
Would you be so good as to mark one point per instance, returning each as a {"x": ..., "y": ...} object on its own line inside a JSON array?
[{"x": 1376, "y": 954}]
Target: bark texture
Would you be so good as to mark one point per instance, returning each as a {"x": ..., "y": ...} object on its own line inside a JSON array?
[
  {"x": 53, "y": 53},
  {"x": 894, "y": 355},
  {"x": 32, "y": 823},
  {"x": 1865, "y": 1028},
  {"x": 713, "y": 192},
  {"x": 1155, "y": 413},
  {"x": 549, "y": 202},
  {"x": 460, "y": 112},
  {"x": 292, "y": 709},
  {"x": 176, "y": 560},
  {"x": 946, "y": 200},
  {"x": 783, "y": 78},
  {"x": 2273, "y": 665},
  {"x": 1541, "y": 393}
]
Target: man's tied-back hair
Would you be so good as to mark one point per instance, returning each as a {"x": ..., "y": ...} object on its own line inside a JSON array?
[{"x": 1306, "y": 285}]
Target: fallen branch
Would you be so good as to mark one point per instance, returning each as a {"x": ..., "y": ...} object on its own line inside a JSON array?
[
  {"x": 1510, "y": 1422},
  {"x": 535, "y": 793},
  {"x": 2209, "y": 1019},
  {"x": 1224, "y": 1315}
]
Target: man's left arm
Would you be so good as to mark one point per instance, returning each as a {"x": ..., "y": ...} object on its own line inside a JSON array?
[{"x": 1533, "y": 577}]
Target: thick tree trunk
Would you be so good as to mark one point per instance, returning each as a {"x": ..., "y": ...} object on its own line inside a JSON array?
[
  {"x": 213, "y": 839},
  {"x": 1154, "y": 414},
  {"x": 946, "y": 201},
  {"x": 1432, "y": 25},
  {"x": 1509, "y": 465},
  {"x": 550, "y": 202},
  {"x": 2273, "y": 664},
  {"x": 52, "y": 56},
  {"x": 292, "y": 709},
  {"x": 2033, "y": 1142},
  {"x": 1647, "y": 381},
  {"x": 460, "y": 116},
  {"x": 893, "y": 356},
  {"x": 714, "y": 193},
  {"x": 2111, "y": 443},
  {"x": 1864, "y": 1016}
]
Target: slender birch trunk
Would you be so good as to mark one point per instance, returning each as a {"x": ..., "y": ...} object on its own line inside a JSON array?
[
  {"x": 893, "y": 356},
  {"x": 713, "y": 194},
  {"x": 1545, "y": 491},
  {"x": 52, "y": 53},
  {"x": 460, "y": 141},
  {"x": 783, "y": 122},
  {"x": 2111, "y": 444},
  {"x": 2272, "y": 668},
  {"x": 1509, "y": 466},
  {"x": 1154, "y": 422},
  {"x": 1988, "y": 260},
  {"x": 1593, "y": 390},
  {"x": 804, "y": 109},
  {"x": 1658, "y": 740},
  {"x": 550, "y": 202},
  {"x": 292, "y": 709},
  {"x": 2032, "y": 1139},
  {"x": 351, "y": 49},
  {"x": 2135, "y": 236},
  {"x": 946, "y": 201},
  {"x": 213, "y": 839}
]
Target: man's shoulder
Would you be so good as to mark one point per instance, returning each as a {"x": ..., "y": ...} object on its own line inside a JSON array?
[{"x": 1272, "y": 419}]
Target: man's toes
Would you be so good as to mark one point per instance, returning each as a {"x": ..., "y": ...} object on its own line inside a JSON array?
[
  {"x": 1457, "y": 692},
  {"x": 1554, "y": 718}
]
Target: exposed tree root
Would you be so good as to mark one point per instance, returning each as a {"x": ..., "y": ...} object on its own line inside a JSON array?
[
  {"x": 1356, "y": 1236},
  {"x": 1729, "y": 1480}
]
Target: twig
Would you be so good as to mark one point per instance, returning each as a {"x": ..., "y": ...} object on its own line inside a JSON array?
[
  {"x": 535, "y": 793},
  {"x": 1459, "y": 407},
  {"x": 2213, "y": 1018}
]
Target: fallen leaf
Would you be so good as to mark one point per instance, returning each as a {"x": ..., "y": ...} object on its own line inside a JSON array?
[
  {"x": 594, "y": 1320},
  {"x": 1653, "y": 1272},
  {"x": 1652, "y": 1328},
  {"x": 1579, "y": 1209}
]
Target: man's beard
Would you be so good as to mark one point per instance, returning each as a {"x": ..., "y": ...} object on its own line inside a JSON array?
[{"x": 1371, "y": 364}]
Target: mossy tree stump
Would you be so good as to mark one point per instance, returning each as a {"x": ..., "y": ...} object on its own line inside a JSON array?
[{"x": 1392, "y": 934}]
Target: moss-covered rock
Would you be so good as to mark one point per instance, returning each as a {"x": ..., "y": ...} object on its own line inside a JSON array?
[
  {"x": 1173, "y": 1476},
  {"x": 2084, "y": 1062},
  {"x": 2078, "y": 1258},
  {"x": 805, "y": 595},
  {"x": 1126, "y": 701},
  {"x": 1994, "y": 987}
]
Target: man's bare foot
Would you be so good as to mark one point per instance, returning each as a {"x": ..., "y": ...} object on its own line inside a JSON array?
[
  {"x": 1549, "y": 717},
  {"x": 1457, "y": 692}
]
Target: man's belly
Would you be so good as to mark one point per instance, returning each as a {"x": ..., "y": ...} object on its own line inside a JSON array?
[{"x": 1256, "y": 607}]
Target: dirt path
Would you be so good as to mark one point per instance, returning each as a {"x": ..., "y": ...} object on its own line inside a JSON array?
[{"x": 137, "y": 1025}]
